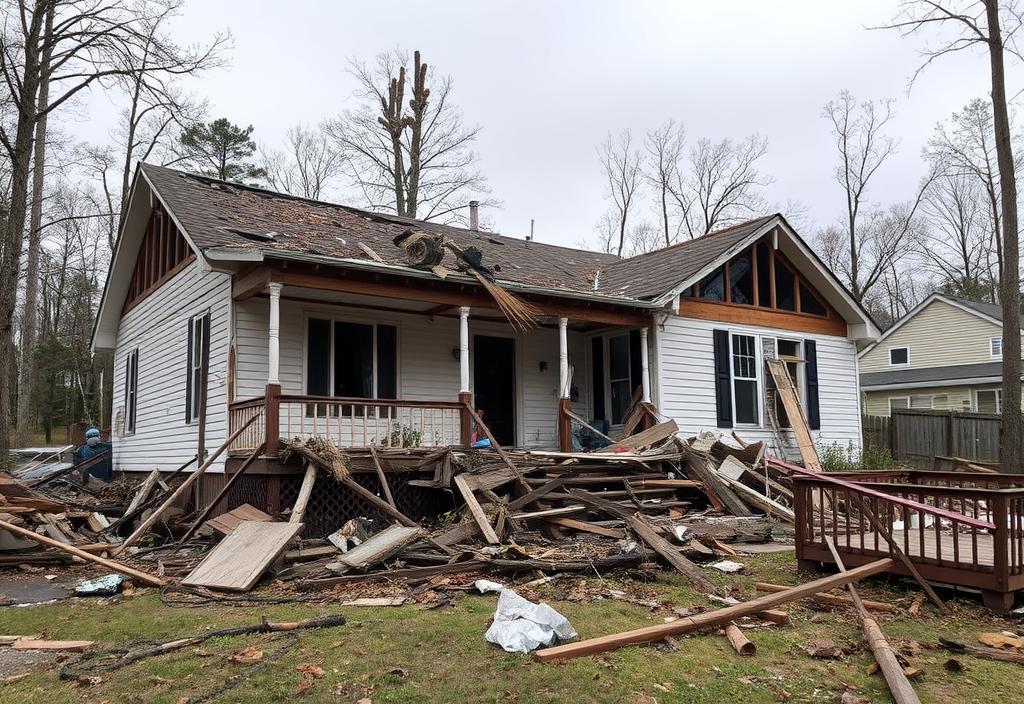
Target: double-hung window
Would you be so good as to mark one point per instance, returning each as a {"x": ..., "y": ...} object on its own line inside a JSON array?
[
  {"x": 352, "y": 360},
  {"x": 131, "y": 390},
  {"x": 995, "y": 347},
  {"x": 745, "y": 394},
  {"x": 198, "y": 357}
]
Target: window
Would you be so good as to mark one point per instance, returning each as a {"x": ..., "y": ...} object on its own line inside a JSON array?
[
  {"x": 897, "y": 402},
  {"x": 995, "y": 347},
  {"x": 616, "y": 375},
  {"x": 131, "y": 390},
  {"x": 940, "y": 402},
  {"x": 809, "y": 302},
  {"x": 791, "y": 353},
  {"x": 921, "y": 402},
  {"x": 746, "y": 409},
  {"x": 712, "y": 288},
  {"x": 741, "y": 280},
  {"x": 899, "y": 356},
  {"x": 785, "y": 282},
  {"x": 353, "y": 360},
  {"x": 198, "y": 357},
  {"x": 989, "y": 401}
]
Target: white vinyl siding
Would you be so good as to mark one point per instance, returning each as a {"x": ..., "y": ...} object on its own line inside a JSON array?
[
  {"x": 687, "y": 380},
  {"x": 898, "y": 402},
  {"x": 157, "y": 328}
]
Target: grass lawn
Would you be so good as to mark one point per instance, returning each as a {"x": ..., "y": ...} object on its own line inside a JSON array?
[{"x": 408, "y": 654}]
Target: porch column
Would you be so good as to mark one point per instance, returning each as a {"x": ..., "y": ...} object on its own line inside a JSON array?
[
  {"x": 645, "y": 367},
  {"x": 465, "y": 396},
  {"x": 564, "y": 402},
  {"x": 271, "y": 410}
]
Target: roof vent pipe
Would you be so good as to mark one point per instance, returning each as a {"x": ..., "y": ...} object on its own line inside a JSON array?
[{"x": 474, "y": 215}]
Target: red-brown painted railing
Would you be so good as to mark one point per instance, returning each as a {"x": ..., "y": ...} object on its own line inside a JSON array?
[{"x": 351, "y": 422}]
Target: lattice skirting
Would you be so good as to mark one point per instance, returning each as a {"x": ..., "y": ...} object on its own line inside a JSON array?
[{"x": 331, "y": 503}]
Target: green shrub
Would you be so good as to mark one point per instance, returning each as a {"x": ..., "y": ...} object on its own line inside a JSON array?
[{"x": 836, "y": 458}]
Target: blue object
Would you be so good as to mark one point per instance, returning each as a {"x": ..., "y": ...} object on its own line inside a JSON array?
[{"x": 482, "y": 442}]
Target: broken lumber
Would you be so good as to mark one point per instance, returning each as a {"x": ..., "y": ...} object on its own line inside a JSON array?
[
  {"x": 462, "y": 484},
  {"x": 586, "y": 527},
  {"x": 143, "y": 577},
  {"x": 982, "y": 651},
  {"x": 831, "y": 599},
  {"x": 740, "y": 643},
  {"x": 710, "y": 618},
  {"x": 74, "y": 646},
  {"x": 899, "y": 686},
  {"x": 212, "y": 506},
  {"x": 646, "y": 532},
  {"x": 760, "y": 500},
  {"x": 238, "y": 561},
  {"x": 183, "y": 487},
  {"x": 379, "y": 547},
  {"x": 646, "y": 438},
  {"x": 382, "y": 477},
  {"x": 143, "y": 491},
  {"x": 715, "y": 486},
  {"x": 305, "y": 491}
]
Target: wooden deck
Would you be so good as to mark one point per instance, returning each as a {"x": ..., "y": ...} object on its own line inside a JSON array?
[{"x": 980, "y": 546}]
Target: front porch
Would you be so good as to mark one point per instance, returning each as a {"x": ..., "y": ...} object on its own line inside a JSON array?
[{"x": 410, "y": 365}]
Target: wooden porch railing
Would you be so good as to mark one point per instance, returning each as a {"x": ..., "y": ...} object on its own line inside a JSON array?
[
  {"x": 351, "y": 422},
  {"x": 958, "y": 528}
]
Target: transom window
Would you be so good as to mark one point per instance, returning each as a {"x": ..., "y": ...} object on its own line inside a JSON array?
[
  {"x": 352, "y": 360},
  {"x": 746, "y": 408},
  {"x": 760, "y": 276},
  {"x": 899, "y": 355}
]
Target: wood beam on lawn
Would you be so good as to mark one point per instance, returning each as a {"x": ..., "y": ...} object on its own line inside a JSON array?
[{"x": 449, "y": 297}]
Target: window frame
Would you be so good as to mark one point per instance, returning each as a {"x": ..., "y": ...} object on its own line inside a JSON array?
[
  {"x": 991, "y": 343},
  {"x": 191, "y": 367},
  {"x": 899, "y": 364},
  {"x": 131, "y": 391},
  {"x": 608, "y": 403},
  {"x": 900, "y": 398},
  {"x": 800, "y": 382},
  {"x": 999, "y": 399},
  {"x": 757, "y": 378},
  {"x": 332, "y": 319}
]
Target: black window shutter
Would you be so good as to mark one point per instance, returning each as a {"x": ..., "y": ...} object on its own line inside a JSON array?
[
  {"x": 813, "y": 408},
  {"x": 188, "y": 376},
  {"x": 723, "y": 379}
]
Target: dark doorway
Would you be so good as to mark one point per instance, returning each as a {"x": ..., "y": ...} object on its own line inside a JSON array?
[{"x": 494, "y": 385}]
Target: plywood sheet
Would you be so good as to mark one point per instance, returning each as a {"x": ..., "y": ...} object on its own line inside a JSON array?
[
  {"x": 227, "y": 522},
  {"x": 237, "y": 563},
  {"x": 379, "y": 547}
]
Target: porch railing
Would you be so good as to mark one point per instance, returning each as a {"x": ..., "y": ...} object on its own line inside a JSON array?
[
  {"x": 958, "y": 528},
  {"x": 350, "y": 422}
]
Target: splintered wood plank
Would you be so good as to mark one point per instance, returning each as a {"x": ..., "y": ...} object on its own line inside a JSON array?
[
  {"x": 791, "y": 402},
  {"x": 474, "y": 508},
  {"x": 646, "y": 438},
  {"x": 379, "y": 547},
  {"x": 75, "y": 646},
  {"x": 238, "y": 561},
  {"x": 227, "y": 522}
]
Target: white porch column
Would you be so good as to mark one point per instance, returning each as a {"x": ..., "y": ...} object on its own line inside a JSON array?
[
  {"x": 274, "y": 334},
  {"x": 645, "y": 366},
  {"x": 563, "y": 359},
  {"x": 464, "y": 349}
]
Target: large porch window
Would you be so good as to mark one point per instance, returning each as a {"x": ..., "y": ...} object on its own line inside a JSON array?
[{"x": 352, "y": 360}]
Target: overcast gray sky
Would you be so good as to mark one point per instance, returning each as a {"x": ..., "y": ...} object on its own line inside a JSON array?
[{"x": 547, "y": 80}]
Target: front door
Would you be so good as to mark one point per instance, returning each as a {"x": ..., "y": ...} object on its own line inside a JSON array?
[{"x": 494, "y": 385}]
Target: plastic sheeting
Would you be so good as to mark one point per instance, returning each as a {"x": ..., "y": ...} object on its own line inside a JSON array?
[{"x": 520, "y": 626}]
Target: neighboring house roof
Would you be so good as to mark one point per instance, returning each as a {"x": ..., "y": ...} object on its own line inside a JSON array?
[
  {"x": 988, "y": 311},
  {"x": 952, "y": 375},
  {"x": 644, "y": 276}
]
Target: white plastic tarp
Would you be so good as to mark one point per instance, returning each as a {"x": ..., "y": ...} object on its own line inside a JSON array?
[{"x": 521, "y": 626}]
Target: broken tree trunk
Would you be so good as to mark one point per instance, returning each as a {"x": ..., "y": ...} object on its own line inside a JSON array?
[
  {"x": 710, "y": 618},
  {"x": 143, "y": 577}
]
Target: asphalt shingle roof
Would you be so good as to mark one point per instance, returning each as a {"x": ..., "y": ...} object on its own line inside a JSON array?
[
  {"x": 951, "y": 373},
  {"x": 224, "y": 215}
]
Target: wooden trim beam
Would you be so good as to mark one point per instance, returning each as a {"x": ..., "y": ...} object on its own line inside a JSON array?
[
  {"x": 248, "y": 285},
  {"x": 448, "y": 297},
  {"x": 749, "y": 315}
]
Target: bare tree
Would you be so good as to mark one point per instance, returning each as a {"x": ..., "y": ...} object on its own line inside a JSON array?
[
  {"x": 415, "y": 159},
  {"x": 643, "y": 237},
  {"x": 665, "y": 149},
  {"x": 721, "y": 184},
  {"x": 957, "y": 237},
  {"x": 978, "y": 24},
  {"x": 621, "y": 165},
  {"x": 862, "y": 147},
  {"x": 306, "y": 167}
]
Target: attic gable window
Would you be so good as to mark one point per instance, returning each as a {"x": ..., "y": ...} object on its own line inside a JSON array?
[
  {"x": 995, "y": 347},
  {"x": 899, "y": 356},
  {"x": 760, "y": 276}
]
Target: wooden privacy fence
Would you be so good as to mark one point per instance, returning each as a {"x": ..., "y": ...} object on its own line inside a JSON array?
[{"x": 916, "y": 437}]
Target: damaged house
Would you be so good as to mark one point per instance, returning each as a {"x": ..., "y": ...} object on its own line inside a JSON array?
[{"x": 235, "y": 312}]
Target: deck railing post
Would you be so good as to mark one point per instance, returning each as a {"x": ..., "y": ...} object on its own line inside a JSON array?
[
  {"x": 1001, "y": 542},
  {"x": 465, "y": 420},
  {"x": 564, "y": 425},
  {"x": 272, "y": 416}
]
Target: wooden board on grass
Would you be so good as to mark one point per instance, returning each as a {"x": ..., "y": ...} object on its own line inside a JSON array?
[{"x": 238, "y": 561}]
